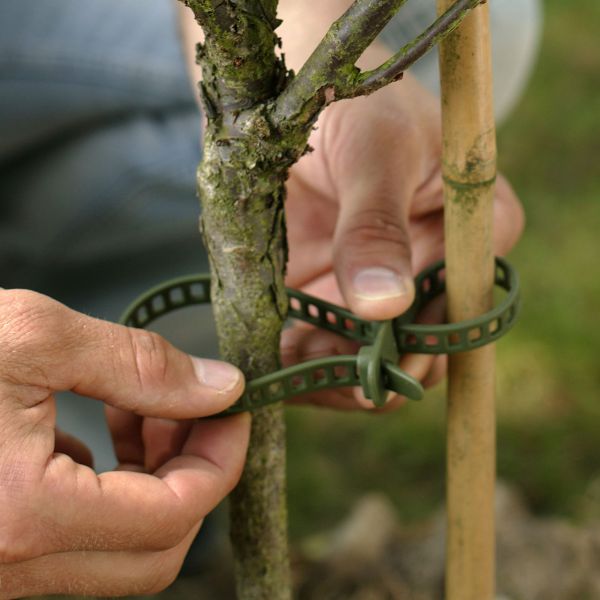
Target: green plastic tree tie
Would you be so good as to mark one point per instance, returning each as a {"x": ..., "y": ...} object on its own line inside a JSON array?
[{"x": 375, "y": 367}]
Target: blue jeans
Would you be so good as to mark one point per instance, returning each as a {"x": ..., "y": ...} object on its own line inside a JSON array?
[{"x": 99, "y": 143}]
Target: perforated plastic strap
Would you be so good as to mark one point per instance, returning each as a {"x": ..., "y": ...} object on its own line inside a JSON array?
[{"x": 375, "y": 367}]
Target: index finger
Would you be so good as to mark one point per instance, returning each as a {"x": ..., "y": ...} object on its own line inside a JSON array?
[{"x": 47, "y": 347}]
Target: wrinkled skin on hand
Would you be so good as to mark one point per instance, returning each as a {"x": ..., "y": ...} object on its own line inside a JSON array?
[
  {"x": 64, "y": 529},
  {"x": 365, "y": 214}
]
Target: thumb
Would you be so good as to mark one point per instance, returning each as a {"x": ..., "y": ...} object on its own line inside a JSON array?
[
  {"x": 135, "y": 370},
  {"x": 372, "y": 253}
]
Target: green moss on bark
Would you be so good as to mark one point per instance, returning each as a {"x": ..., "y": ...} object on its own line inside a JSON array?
[{"x": 242, "y": 188}]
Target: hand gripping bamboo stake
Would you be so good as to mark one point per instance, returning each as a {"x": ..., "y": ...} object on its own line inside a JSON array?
[{"x": 469, "y": 170}]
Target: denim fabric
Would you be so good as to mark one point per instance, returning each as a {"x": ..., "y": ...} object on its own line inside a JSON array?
[{"x": 99, "y": 143}]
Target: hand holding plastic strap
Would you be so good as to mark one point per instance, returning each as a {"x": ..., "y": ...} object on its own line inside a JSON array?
[{"x": 375, "y": 367}]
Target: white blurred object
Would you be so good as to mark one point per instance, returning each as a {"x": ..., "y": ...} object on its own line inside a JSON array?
[{"x": 516, "y": 33}]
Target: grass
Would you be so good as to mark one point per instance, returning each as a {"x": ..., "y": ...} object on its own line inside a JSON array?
[
  {"x": 550, "y": 151},
  {"x": 549, "y": 372}
]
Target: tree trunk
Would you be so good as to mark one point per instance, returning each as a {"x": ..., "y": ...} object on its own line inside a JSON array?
[
  {"x": 242, "y": 188},
  {"x": 244, "y": 230}
]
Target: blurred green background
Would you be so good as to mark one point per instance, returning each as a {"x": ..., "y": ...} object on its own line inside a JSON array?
[{"x": 548, "y": 368}]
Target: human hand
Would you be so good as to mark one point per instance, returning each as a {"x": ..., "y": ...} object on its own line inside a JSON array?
[
  {"x": 64, "y": 529},
  {"x": 365, "y": 214}
]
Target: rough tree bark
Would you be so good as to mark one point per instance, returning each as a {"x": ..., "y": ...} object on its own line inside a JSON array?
[
  {"x": 259, "y": 117},
  {"x": 241, "y": 181}
]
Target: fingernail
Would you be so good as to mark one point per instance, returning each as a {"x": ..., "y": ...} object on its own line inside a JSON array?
[
  {"x": 379, "y": 283},
  {"x": 216, "y": 374},
  {"x": 367, "y": 404}
]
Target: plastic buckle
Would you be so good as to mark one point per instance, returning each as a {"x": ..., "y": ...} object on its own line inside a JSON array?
[
  {"x": 375, "y": 368},
  {"x": 378, "y": 370}
]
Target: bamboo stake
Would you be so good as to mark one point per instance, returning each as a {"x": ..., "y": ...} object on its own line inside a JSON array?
[{"x": 469, "y": 170}]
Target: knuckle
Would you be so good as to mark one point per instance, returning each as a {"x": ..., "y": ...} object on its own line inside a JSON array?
[
  {"x": 32, "y": 329},
  {"x": 163, "y": 580},
  {"x": 149, "y": 356},
  {"x": 14, "y": 544},
  {"x": 172, "y": 532},
  {"x": 26, "y": 318},
  {"x": 377, "y": 225},
  {"x": 366, "y": 126},
  {"x": 14, "y": 553},
  {"x": 158, "y": 574}
]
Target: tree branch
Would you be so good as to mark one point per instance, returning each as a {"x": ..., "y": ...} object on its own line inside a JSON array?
[
  {"x": 331, "y": 74},
  {"x": 393, "y": 69},
  {"x": 240, "y": 39},
  {"x": 332, "y": 62}
]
